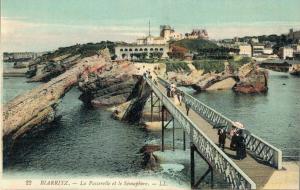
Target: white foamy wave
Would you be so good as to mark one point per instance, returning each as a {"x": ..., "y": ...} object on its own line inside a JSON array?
[{"x": 171, "y": 168}]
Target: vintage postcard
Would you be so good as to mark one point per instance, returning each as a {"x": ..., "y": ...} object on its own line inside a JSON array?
[{"x": 150, "y": 94}]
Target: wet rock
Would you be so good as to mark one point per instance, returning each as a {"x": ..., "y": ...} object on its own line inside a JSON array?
[
  {"x": 206, "y": 81},
  {"x": 37, "y": 107},
  {"x": 112, "y": 85},
  {"x": 150, "y": 162},
  {"x": 252, "y": 79},
  {"x": 294, "y": 69}
]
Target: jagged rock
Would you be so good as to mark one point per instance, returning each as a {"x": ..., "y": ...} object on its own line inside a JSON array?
[
  {"x": 46, "y": 70},
  {"x": 120, "y": 110},
  {"x": 205, "y": 81},
  {"x": 113, "y": 85},
  {"x": 150, "y": 162},
  {"x": 184, "y": 79},
  {"x": 37, "y": 107},
  {"x": 228, "y": 70},
  {"x": 141, "y": 93},
  {"x": 110, "y": 99},
  {"x": 294, "y": 69},
  {"x": 223, "y": 84},
  {"x": 252, "y": 79}
]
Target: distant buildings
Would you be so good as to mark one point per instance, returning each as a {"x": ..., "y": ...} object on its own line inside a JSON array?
[
  {"x": 257, "y": 49},
  {"x": 245, "y": 50},
  {"x": 197, "y": 34},
  {"x": 155, "y": 46},
  {"x": 169, "y": 33},
  {"x": 267, "y": 51},
  {"x": 21, "y": 56},
  {"x": 294, "y": 35},
  {"x": 137, "y": 51},
  {"x": 150, "y": 40},
  {"x": 166, "y": 34},
  {"x": 286, "y": 52}
]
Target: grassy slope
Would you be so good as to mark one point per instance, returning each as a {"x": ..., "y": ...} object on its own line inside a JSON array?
[
  {"x": 194, "y": 44},
  {"x": 85, "y": 50}
]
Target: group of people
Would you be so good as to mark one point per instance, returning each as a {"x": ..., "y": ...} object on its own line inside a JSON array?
[
  {"x": 174, "y": 93},
  {"x": 237, "y": 139},
  {"x": 147, "y": 74}
]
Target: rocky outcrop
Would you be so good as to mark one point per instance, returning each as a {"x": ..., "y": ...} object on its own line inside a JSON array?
[
  {"x": 43, "y": 71},
  {"x": 295, "y": 69},
  {"x": 249, "y": 79},
  {"x": 112, "y": 87},
  {"x": 37, "y": 107},
  {"x": 210, "y": 79},
  {"x": 150, "y": 161},
  {"x": 252, "y": 79},
  {"x": 121, "y": 86},
  {"x": 225, "y": 84}
]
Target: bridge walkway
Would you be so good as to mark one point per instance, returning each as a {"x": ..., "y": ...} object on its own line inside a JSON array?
[{"x": 257, "y": 171}]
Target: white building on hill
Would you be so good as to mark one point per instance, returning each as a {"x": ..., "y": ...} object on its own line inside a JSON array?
[
  {"x": 133, "y": 51},
  {"x": 245, "y": 50}
]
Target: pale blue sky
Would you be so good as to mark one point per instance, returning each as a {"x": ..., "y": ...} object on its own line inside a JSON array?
[{"x": 47, "y": 24}]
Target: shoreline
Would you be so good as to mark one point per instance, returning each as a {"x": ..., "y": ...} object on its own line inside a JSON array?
[{"x": 12, "y": 74}]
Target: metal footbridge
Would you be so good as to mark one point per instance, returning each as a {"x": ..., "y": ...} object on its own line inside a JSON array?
[{"x": 197, "y": 121}]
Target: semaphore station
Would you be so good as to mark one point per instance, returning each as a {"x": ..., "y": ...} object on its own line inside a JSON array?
[{"x": 154, "y": 46}]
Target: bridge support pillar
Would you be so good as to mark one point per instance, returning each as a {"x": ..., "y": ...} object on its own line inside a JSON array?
[
  {"x": 151, "y": 95},
  {"x": 184, "y": 148},
  {"x": 164, "y": 116},
  {"x": 173, "y": 134},
  {"x": 187, "y": 113},
  {"x": 195, "y": 184},
  {"x": 162, "y": 129},
  {"x": 154, "y": 104}
]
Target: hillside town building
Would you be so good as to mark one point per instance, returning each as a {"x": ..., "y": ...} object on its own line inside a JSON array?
[
  {"x": 133, "y": 51},
  {"x": 169, "y": 33},
  {"x": 197, "y": 34},
  {"x": 245, "y": 50},
  {"x": 257, "y": 49},
  {"x": 155, "y": 45},
  {"x": 286, "y": 52},
  {"x": 293, "y": 35}
]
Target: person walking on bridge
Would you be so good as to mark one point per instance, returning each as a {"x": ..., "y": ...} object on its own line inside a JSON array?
[
  {"x": 240, "y": 146},
  {"x": 222, "y": 137},
  {"x": 236, "y": 127}
]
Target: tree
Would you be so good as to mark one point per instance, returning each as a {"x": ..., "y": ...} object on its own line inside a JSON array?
[{"x": 177, "y": 52}]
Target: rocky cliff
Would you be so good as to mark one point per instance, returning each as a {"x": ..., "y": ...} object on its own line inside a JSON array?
[
  {"x": 252, "y": 79},
  {"x": 36, "y": 108},
  {"x": 52, "y": 64},
  {"x": 120, "y": 85},
  {"x": 248, "y": 79}
]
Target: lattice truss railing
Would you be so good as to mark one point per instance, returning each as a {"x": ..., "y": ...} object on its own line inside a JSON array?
[
  {"x": 217, "y": 158},
  {"x": 259, "y": 148}
]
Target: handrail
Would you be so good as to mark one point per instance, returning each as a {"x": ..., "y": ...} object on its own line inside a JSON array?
[
  {"x": 221, "y": 162},
  {"x": 257, "y": 146}
]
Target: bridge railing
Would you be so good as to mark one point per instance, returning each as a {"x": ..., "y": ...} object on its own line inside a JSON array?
[
  {"x": 257, "y": 146},
  {"x": 217, "y": 158}
]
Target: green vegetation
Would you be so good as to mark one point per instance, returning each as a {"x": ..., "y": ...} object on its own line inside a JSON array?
[
  {"x": 237, "y": 62},
  {"x": 213, "y": 65},
  {"x": 177, "y": 66},
  {"x": 85, "y": 50},
  {"x": 202, "y": 49},
  {"x": 195, "y": 44},
  {"x": 209, "y": 65}
]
